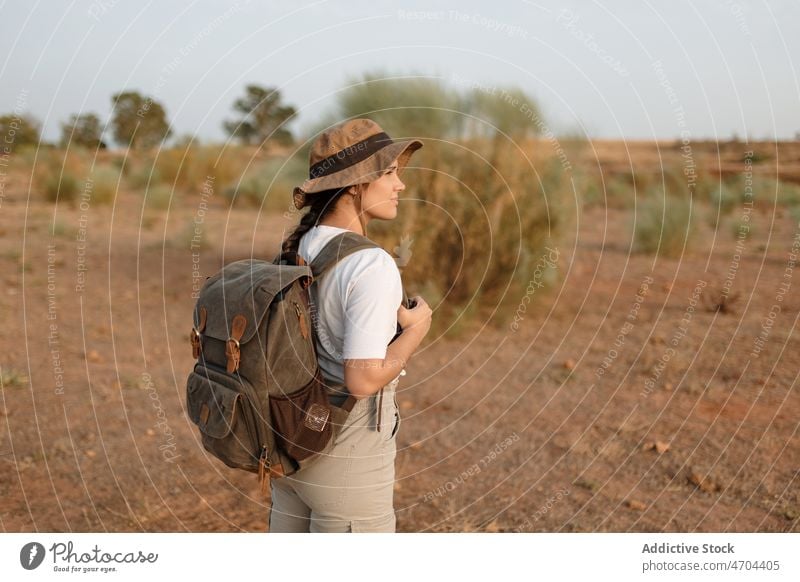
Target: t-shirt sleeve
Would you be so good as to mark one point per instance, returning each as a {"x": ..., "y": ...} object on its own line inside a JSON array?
[{"x": 371, "y": 310}]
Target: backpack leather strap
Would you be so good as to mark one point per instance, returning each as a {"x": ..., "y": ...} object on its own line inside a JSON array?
[
  {"x": 196, "y": 335},
  {"x": 232, "y": 351}
]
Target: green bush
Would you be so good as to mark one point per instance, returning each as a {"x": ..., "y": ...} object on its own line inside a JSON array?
[
  {"x": 620, "y": 194},
  {"x": 722, "y": 200},
  {"x": 122, "y": 164},
  {"x": 223, "y": 165},
  {"x": 663, "y": 224},
  {"x": 158, "y": 197},
  {"x": 743, "y": 230},
  {"x": 789, "y": 194},
  {"x": 64, "y": 187},
  {"x": 143, "y": 174},
  {"x": 173, "y": 166},
  {"x": 105, "y": 183},
  {"x": 610, "y": 191},
  {"x": 59, "y": 174},
  {"x": 706, "y": 186},
  {"x": 63, "y": 230},
  {"x": 477, "y": 231},
  {"x": 268, "y": 186}
]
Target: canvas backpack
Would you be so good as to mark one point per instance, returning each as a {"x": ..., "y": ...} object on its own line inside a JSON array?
[{"x": 256, "y": 392}]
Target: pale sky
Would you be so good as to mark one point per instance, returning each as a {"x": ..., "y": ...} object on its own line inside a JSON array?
[{"x": 637, "y": 69}]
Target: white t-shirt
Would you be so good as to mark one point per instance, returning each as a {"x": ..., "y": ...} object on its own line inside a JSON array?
[{"x": 354, "y": 305}]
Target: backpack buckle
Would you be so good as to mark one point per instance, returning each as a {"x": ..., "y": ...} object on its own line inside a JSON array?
[
  {"x": 233, "y": 354},
  {"x": 232, "y": 351},
  {"x": 195, "y": 336},
  {"x": 195, "y": 339}
]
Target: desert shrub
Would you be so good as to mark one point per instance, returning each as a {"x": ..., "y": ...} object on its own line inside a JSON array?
[
  {"x": 506, "y": 111},
  {"x": 63, "y": 230},
  {"x": 268, "y": 185},
  {"x": 607, "y": 191},
  {"x": 121, "y": 164},
  {"x": 722, "y": 200},
  {"x": 250, "y": 190},
  {"x": 158, "y": 197},
  {"x": 741, "y": 229},
  {"x": 639, "y": 181},
  {"x": 189, "y": 238},
  {"x": 476, "y": 232},
  {"x": 706, "y": 186},
  {"x": 788, "y": 194},
  {"x": 173, "y": 166},
  {"x": 59, "y": 174},
  {"x": 61, "y": 187},
  {"x": 588, "y": 188},
  {"x": 190, "y": 169},
  {"x": 12, "y": 377},
  {"x": 143, "y": 174},
  {"x": 663, "y": 224},
  {"x": 766, "y": 190},
  {"x": 219, "y": 165},
  {"x": 619, "y": 193},
  {"x": 106, "y": 181}
]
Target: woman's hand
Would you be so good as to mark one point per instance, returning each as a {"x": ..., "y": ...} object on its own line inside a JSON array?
[{"x": 417, "y": 318}]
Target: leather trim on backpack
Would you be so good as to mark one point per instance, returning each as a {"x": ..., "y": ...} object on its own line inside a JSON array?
[
  {"x": 232, "y": 352},
  {"x": 196, "y": 337}
]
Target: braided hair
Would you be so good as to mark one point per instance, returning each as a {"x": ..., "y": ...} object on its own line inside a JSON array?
[{"x": 321, "y": 204}]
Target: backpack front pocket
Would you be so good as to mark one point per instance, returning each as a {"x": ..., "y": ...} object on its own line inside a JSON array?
[
  {"x": 302, "y": 420},
  {"x": 225, "y": 418}
]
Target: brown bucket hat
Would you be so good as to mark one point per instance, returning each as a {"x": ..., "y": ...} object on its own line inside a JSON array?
[{"x": 352, "y": 152}]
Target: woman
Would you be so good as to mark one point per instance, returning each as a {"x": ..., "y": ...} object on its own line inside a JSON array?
[{"x": 353, "y": 178}]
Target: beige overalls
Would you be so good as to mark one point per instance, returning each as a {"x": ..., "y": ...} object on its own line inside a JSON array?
[{"x": 351, "y": 488}]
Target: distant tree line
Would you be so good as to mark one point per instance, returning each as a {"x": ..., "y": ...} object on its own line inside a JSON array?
[{"x": 140, "y": 122}]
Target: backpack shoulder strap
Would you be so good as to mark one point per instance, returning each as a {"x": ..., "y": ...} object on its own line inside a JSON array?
[{"x": 337, "y": 248}]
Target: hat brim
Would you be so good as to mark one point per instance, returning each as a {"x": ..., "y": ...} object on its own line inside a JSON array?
[{"x": 367, "y": 170}]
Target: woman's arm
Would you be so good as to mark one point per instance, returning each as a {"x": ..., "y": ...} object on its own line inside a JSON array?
[{"x": 365, "y": 377}]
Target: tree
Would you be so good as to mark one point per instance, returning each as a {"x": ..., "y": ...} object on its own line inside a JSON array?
[
  {"x": 263, "y": 117},
  {"x": 138, "y": 122},
  {"x": 16, "y": 130},
  {"x": 83, "y": 130}
]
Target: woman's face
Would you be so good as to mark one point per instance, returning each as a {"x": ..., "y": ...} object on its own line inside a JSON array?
[{"x": 381, "y": 197}]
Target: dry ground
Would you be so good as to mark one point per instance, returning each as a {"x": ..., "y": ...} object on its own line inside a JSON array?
[{"x": 503, "y": 430}]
